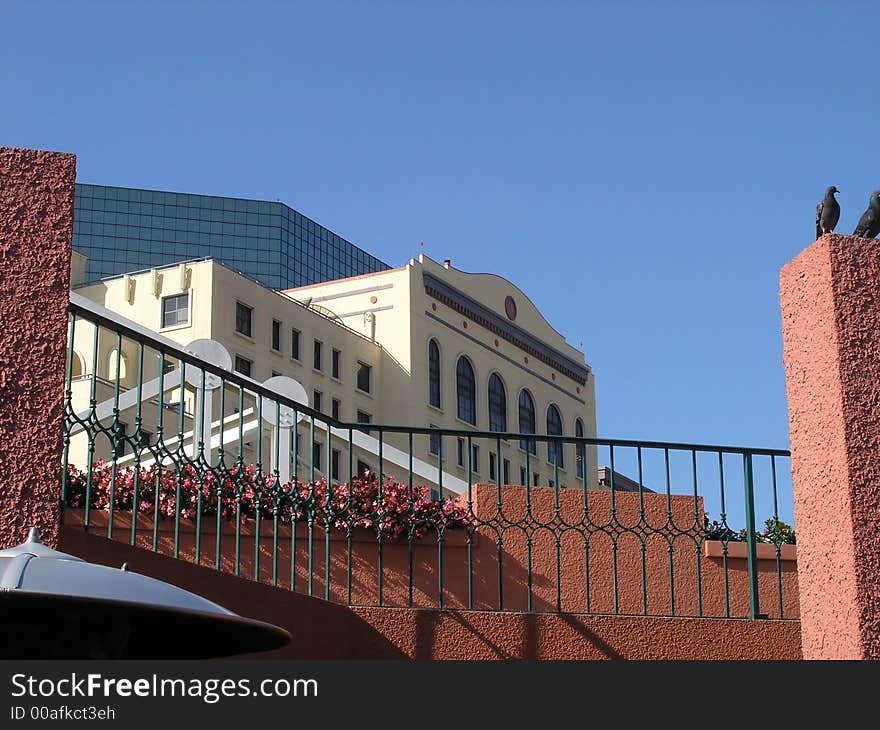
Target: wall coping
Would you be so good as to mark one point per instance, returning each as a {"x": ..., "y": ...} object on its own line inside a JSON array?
[{"x": 765, "y": 550}]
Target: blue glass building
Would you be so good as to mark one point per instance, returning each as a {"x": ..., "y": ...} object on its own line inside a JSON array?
[{"x": 122, "y": 230}]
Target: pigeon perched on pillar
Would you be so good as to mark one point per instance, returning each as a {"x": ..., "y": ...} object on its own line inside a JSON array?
[
  {"x": 827, "y": 212},
  {"x": 869, "y": 224}
]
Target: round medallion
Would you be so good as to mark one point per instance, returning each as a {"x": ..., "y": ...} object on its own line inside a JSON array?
[{"x": 510, "y": 308}]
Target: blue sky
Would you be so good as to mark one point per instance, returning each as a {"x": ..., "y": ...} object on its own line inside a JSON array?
[{"x": 641, "y": 170}]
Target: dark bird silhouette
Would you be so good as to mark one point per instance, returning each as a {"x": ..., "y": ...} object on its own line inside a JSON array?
[
  {"x": 827, "y": 212},
  {"x": 869, "y": 224}
]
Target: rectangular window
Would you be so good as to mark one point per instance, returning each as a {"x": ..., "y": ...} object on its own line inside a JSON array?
[
  {"x": 536, "y": 478},
  {"x": 294, "y": 344},
  {"x": 334, "y": 408},
  {"x": 335, "y": 363},
  {"x": 505, "y": 471},
  {"x": 318, "y": 351},
  {"x": 243, "y": 365},
  {"x": 365, "y": 377},
  {"x": 317, "y": 400},
  {"x": 334, "y": 464},
  {"x": 119, "y": 440},
  {"x": 459, "y": 452},
  {"x": 523, "y": 477},
  {"x": 434, "y": 441},
  {"x": 316, "y": 454},
  {"x": 362, "y": 468},
  {"x": 364, "y": 417},
  {"x": 276, "y": 335},
  {"x": 145, "y": 438},
  {"x": 244, "y": 316},
  {"x": 492, "y": 465},
  {"x": 175, "y": 310},
  {"x": 475, "y": 458}
]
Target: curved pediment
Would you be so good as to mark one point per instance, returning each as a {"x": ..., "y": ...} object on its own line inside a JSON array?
[{"x": 501, "y": 306}]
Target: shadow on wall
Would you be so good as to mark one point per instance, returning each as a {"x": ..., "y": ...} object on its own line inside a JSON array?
[
  {"x": 319, "y": 630},
  {"x": 529, "y": 643}
]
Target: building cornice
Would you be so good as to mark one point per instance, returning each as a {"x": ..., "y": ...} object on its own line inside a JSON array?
[{"x": 485, "y": 317}]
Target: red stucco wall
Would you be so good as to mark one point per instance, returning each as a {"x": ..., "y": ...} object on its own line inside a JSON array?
[
  {"x": 36, "y": 232},
  {"x": 830, "y": 299},
  {"x": 323, "y": 630}
]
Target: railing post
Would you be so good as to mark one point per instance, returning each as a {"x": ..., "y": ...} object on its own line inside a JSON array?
[{"x": 754, "y": 607}]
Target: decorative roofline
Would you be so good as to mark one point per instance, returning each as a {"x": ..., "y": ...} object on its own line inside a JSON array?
[{"x": 485, "y": 317}]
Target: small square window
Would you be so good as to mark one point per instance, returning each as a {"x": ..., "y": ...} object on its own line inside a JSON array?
[
  {"x": 243, "y": 365},
  {"x": 244, "y": 316},
  {"x": 294, "y": 344},
  {"x": 335, "y": 363},
  {"x": 318, "y": 351},
  {"x": 365, "y": 377},
  {"x": 175, "y": 310},
  {"x": 276, "y": 335},
  {"x": 334, "y": 408}
]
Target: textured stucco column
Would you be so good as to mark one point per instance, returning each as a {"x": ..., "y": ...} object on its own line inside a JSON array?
[
  {"x": 830, "y": 299},
  {"x": 36, "y": 233}
]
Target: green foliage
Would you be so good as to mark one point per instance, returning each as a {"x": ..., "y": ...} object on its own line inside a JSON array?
[{"x": 775, "y": 531}]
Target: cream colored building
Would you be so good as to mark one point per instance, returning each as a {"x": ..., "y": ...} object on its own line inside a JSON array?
[
  {"x": 424, "y": 310},
  {"x": 422, "y": 345}
]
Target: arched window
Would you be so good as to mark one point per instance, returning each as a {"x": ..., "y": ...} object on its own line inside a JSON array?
[
  {"x": 434, "y": 373},
  {"x": 466, "y": 385},
  {"x": 497, "y": 404},
  {"x": 117, "y": 367},
  {"x": 555, "y": 449},
  {"x": 580, "y": 449},
  {"x": 76, "y": 364},
  {"x": 527, "y": 420}
]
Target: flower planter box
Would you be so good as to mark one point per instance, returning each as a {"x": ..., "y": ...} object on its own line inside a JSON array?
[
  {"x": 765, "y": 551},
  {"x": 453, "y": 537}
]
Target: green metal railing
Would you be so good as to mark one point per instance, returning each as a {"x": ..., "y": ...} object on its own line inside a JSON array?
[{"x": 179, "y": 456}]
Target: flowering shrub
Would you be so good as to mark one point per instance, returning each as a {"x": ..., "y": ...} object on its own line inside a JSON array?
[
  {"x": 775, "y": 531},
  {"x": 239, "y": 493}
]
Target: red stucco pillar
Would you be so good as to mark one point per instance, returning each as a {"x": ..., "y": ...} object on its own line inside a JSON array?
[
  {"x": 36, "y": 233},
  {"x": 830, "y": 298}
]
